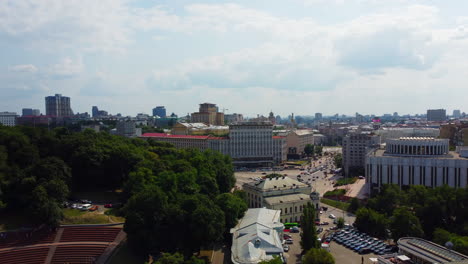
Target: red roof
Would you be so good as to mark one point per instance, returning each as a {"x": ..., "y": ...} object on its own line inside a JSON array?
[
  {"x": 163, "y": 135},
  {"x": 278, "y": 137}
]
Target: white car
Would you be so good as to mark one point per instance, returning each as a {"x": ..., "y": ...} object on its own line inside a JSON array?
[
  {"x": 286, "y": 248},
  {"x": 85, "y": 207},
  {"x": 332, "y": 216}
]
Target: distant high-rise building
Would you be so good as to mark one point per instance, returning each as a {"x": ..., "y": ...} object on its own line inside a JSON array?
[
  {"x": 456, "y": 113},
  {"x": 436, "y": 115},
  {"x": 159, "y": 111},
  {"x": 30, "y": 112},
  {"x": 318, "y": 116},
  {"x": 395, "y": 114},
  {"x": 95, "y": 111},
  {"x": 355, "y": 147},
  {"x": 8, "y": 118},
  {"x": 58, "y": 106}
]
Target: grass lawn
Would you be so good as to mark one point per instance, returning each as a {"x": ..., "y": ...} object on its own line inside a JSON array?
[
  {"x": 337, "y": 204},
  {"x": 345, "y": 181},
  {"x": 125, "y": 256},
  {"x": 336, "y": 192},
  {"x": 74, "y": 216}
]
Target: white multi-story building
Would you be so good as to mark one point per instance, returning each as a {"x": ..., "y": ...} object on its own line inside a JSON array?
[
  {"x": 280, "y": 193},
  {"x": 416, "y": 161},
  {"x": 8, "y": 118},
  {"x": 251, "y": 143},
  {"x": 355, "y": 148},
  {"x": 279, "y": 149}
]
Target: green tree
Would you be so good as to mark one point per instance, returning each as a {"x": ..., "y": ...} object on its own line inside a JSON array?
[
  {"x": 275, "y": 260},
  {"x": 371, "y": 222},
  {"x": 338, "y": 160},
  {"x": 309, "y": 232},
  {"x": 318, "y": 256},
  {"x": 340, "y": 223},
  {"x": 309, "y": 150},
  {"x": 404, "y": 223},
  {"x": 233, "y": 208},
  {"x": 354, "y": 205},
  {"x": 460, "y": 243},
  {"x": 318, "y": 150},
  {"x": 168, "y": 258}
]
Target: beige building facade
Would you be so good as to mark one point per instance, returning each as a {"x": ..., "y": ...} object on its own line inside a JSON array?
[{"x": 280, "y": 193}]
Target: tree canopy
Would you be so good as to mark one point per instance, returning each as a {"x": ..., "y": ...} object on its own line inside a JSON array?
[
  {"x": 309, "y": 232},
  {"x": 318, "y": 256},
  {"x": 181, "y": 192}
]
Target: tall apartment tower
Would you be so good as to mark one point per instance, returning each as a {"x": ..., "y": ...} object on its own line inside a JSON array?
[
  {"x": 436, "y": 115},
  {"x": 355, "y": 148},
  {"x": 159, "y": 111},
  {"x": 318, "y": 116},
  {"x": 456, "y": 114},
  {"x": 58, "y": 106},
  {"x": 95, "y": 111}
]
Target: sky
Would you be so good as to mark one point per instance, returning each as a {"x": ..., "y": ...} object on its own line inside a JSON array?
[{"x": 249, "y": 57}]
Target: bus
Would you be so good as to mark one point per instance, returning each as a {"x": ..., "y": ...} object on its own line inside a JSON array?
[{"x": 290, "y": 225}]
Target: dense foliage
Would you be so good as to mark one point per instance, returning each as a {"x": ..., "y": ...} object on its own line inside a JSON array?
[
  {"x": 418, "y": 211},
  {"x": 309, "y": 150},
  {"x": 338, "y": 160},
  {"x": 171, "y": 193},
  {"x": 318, "y": 256},
  {"x": 309, "y": 232}
]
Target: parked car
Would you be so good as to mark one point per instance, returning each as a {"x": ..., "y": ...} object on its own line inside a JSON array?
[
  {"x": 109, "y": 205},
  {"x": 325, "y": 223},
  {"x": 85, "y": 207},
  {"x": 332, "y": 216},
  {"x": 295, "y": 229},
  {"x": 285, "y": 248},
  {"x": 289, "y": 241},
  {"x": 286, "y": 236},
  {"x": 86, "y": 201},
  {"x": 319, "y": 230},
  {"x": 93, "y": 208}
]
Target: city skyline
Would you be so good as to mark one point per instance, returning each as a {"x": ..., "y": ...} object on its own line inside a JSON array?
[{"x": 298, "y": 56}]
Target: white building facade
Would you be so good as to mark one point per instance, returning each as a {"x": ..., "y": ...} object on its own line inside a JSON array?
[
  {"x": 416, "y": 161},
  {"x": 8, "y": 118},
  {"x": 251, "y": 143}
]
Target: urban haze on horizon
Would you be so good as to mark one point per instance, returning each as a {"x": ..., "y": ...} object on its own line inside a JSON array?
[{"x": 249, "y": 57}]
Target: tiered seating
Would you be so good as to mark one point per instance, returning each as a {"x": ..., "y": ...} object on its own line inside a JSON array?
[
  {"x": 89, "y": 234},
  {"x": 77, "y": 254},
  {"x": 24, "y": 256},
  {"x": 17, "y": 239}
]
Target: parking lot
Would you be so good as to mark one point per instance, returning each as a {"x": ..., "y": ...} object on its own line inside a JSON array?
[
  {"x": 344, "y": 255},
  {"x": 294, "y": 254}
]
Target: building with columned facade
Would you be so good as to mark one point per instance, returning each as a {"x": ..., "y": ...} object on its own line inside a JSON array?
[{"x": 416, "y": 161}]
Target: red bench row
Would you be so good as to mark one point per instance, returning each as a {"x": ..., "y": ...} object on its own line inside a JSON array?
[
  {"x": 101, "y": 234},
  {"x": 77, "y": 254},
  {"x": 24, "y": 256}
]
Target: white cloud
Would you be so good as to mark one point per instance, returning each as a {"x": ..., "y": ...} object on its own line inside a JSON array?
[
  {"x": 66, "y": 68},
  {"x": 24, "y": 68}
]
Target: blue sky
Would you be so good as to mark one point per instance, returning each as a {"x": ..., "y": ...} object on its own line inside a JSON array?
[{"x": 301, "y": 56}]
